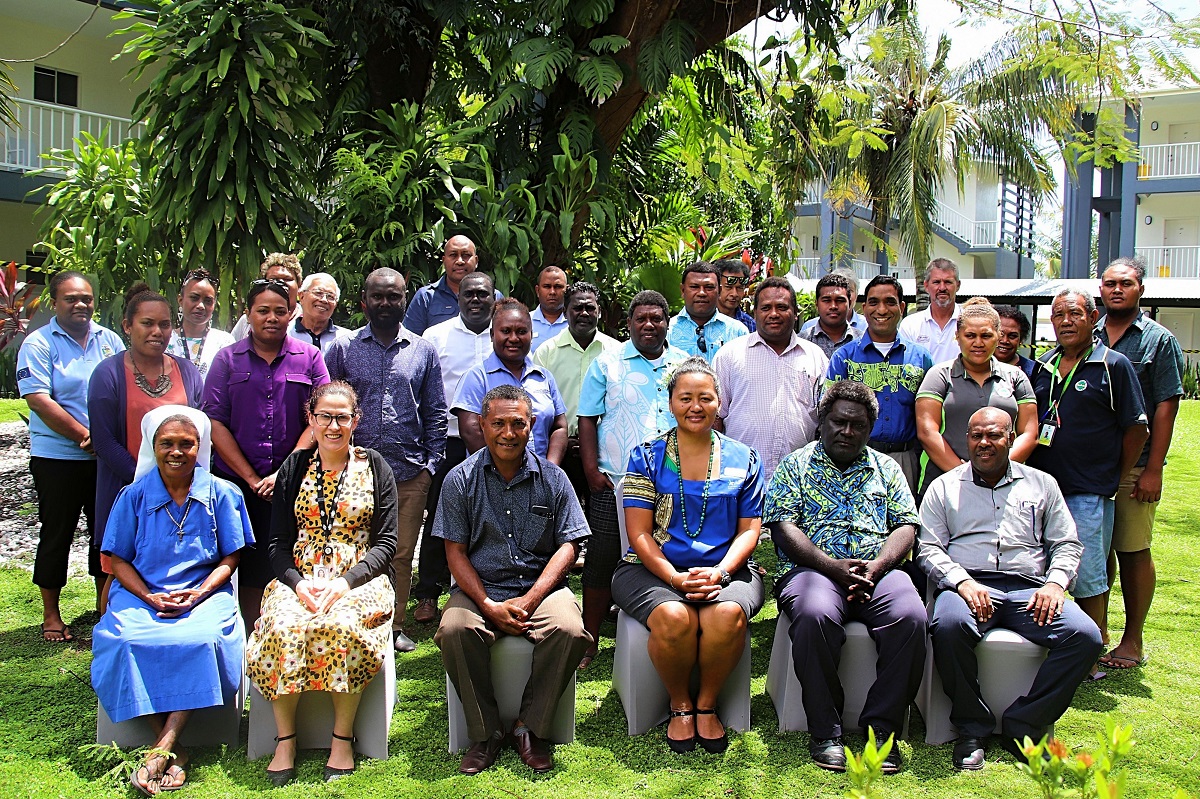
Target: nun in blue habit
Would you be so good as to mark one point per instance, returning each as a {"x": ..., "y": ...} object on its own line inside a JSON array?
[{"x": 172, "y": 640}]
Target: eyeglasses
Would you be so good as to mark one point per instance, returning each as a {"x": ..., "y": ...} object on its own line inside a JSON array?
[
  {"x": 701, "y": 343},
  {"x": 734, "y": 280},
  {"x": 268, "y": 281},
  {"x": 321, "y": 294},
  {"x": 326, "y": 419}
]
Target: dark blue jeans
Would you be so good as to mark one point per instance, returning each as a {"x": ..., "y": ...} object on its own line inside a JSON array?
[{"x": 1072, "y": 638}]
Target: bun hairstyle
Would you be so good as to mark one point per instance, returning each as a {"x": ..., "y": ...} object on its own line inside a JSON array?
[
  {"x": 978, "y": 308},
  {"x": 337, "y": 388},
  {"x": 139, "y": 294}
]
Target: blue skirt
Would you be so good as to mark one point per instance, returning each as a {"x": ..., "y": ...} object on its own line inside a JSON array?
[{"x": 142, "y": 664}]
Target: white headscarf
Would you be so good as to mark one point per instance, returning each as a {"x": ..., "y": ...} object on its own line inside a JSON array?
[{"x": 154, "y": 419}]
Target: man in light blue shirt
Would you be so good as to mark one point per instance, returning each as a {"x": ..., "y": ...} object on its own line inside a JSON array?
[
  {"x": 549, "y": 317},
  {"x": 54, "y": 366},
  {"x": 700, "y": 329},
  {"x": 623, "y": 402},
  {"x": 858, "y": 321}
]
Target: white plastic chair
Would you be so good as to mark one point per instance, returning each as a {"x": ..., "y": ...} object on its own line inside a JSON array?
[{"x": 210, "y": 726}]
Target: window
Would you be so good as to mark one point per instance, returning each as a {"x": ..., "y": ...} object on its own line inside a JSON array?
[{"x": 52, "y": 86}]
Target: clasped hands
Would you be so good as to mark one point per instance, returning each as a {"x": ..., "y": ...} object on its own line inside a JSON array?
[
  {"x": 699, "y": 583},
  {"x": 171, "y": 604},
  {"x": 318, "y": 595},
  {"x": 855, "y": 575},
  {"x": 511, "y": 615},
  {"x": 1045, "y": 604}
]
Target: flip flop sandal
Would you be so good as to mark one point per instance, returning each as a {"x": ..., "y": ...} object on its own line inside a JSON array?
[
  {"x": 141, "y": 787},
  {"x": 64, "y": 631},
  {"x": 178, "y": 777},
  {"x": 1121, "y": 662}
]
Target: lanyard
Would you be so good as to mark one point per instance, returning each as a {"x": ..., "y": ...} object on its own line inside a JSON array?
[
  {"x": 327, "y": 511},
  {"x": 1055, "y": 381}
]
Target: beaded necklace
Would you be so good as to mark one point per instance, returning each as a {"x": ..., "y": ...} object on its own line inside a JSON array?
[{"x": 673, "y": 442}]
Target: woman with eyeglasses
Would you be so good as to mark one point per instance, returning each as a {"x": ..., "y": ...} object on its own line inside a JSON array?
[
  {"x": 194, "y": 337},
  {"x": 256, "y": 394},
  {"x": 123, "y": 389},
  {"x": 327, "y": 617}
]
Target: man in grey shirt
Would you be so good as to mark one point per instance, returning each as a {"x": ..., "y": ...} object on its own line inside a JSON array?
[{"x": 999, "y": 545}]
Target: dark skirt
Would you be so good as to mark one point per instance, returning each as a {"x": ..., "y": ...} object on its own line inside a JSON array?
[{"x": 637, "y": 591}]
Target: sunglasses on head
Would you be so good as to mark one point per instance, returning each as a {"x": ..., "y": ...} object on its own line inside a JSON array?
[{"x": 734, "y": 280}]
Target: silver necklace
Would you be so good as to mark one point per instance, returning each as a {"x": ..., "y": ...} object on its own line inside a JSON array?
[{"x": 187, "y": 508}]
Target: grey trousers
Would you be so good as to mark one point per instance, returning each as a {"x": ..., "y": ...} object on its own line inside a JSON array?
[{"x": 466, "y": 637}]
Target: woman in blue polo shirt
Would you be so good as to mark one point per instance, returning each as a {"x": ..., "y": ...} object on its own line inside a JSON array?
[{"x": 54, "y": 366}]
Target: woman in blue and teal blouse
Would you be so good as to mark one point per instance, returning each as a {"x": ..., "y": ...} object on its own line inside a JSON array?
[{"x": 693, "y": 505}]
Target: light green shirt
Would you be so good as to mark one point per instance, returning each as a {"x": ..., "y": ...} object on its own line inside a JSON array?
[{"x": 568, "y": 362}]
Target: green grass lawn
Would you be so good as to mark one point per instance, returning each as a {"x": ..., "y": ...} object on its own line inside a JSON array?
[
  {"x": 47, "y": 712},
  {"x": 9, "y": 408}
]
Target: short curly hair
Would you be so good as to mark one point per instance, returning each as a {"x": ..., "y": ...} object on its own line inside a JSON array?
[
  {"x": 851, "y": 391},
  {"x": 284, "y": 260},
  {"x": 506, "y": 392}
]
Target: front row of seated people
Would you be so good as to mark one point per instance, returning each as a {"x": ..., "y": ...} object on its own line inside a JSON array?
[{"x": 842, "y": 518}]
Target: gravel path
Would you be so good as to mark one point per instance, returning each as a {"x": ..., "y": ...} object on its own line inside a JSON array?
[{"x": 18, "y": 505}]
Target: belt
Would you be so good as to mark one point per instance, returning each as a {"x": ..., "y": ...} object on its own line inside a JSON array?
[{"x": 887, "y": 447}]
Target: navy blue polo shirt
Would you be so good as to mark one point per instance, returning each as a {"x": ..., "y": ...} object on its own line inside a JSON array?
[
  {"x": 1101, "y": 401},
  {"x": 895, "y": 379},
  {"x": 432, "y": 304}
]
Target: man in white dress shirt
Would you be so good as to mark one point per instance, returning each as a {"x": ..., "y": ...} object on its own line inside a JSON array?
[{"x": 935, "y": 327}]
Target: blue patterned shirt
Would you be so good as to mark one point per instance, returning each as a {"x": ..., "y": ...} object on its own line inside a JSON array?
[
  {"x": 684, "y": 333},
  {"x": 845, "y": 514}
]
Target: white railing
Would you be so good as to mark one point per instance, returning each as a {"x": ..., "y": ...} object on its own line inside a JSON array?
[
  {"x": 1170, "y": 261},
  {"x": 974, "y": 233},
  {"x": 987, "y": 234},
  {"x": 864, "y": 270},
  {"x": 42, "y": 127},
  {"x": 1170, "y": 160},
  {"x": 903, "y": 272},
  {"x": 806, "y": 268}
]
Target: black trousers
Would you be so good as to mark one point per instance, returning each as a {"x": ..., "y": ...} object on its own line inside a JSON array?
[
  {"x": 64, "y": 488},
  {"x": 433, "y": 575},
  {"x": 254, "y": 569}
]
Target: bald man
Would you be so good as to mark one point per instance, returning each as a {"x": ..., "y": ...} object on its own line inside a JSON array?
[
  {"x": 438, "y": 301},
  {"x": 1008, "y": 569},
  {"x": 548, "y": 317}
]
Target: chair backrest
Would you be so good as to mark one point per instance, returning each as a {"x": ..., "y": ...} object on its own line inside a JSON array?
[{"x": 619, "y": 494}]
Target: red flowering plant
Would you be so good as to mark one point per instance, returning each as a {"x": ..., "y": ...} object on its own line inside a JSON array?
[
  {"x": 1060, "y": 773},
  {"x": 18, "y": 303}
]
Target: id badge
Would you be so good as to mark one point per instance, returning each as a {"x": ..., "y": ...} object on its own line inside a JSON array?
[{"x": 1046, "y": 435}]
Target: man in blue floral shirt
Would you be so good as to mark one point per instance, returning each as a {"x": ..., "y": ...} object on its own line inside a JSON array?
[{"x": 842, "y": 518}]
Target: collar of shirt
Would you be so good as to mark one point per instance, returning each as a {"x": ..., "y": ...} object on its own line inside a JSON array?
[
  {"x": 897, "y": 345},
  {"x": 1099, "y": 331},
  {"x": 959, "y": 369},
  {"x": 298, "y": 326},
  {"x": 459, "y": 324},
  {"x": 537, "y": 314},
  {"x": 968, "y": 476},
  {"x": 863, "y": 461},
  {"x": 157, "y": 496},
  {"x": 755, "y": 339},
  {"x": 404, "y": 337},
  {"x": 93, "y": 333},
  {"x": 290, "y": 346},
  {"x": 817, "y": 330},
  {"x": 718, "y": 319},
  {"x": 630, "y": 352},
  {"x": 444, "y": 288},
  {"x": 1099, "y": 350},
  {"x": 492, "y": 363},
  {"x": 928, "y": 312},
  {"x": 566, "y": 341},
  {"x": 530, "y": 466}
]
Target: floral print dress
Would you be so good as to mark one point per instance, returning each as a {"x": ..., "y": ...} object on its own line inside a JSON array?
[{"x": 293, "y": 649}]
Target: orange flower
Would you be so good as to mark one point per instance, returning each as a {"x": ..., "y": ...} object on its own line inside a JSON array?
[
  {"x": 1058, "y": 749},
  {"x": 1085, "y": 759}
]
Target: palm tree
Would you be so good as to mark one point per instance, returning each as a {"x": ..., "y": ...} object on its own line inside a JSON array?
[{"x": 899, "y": 124}]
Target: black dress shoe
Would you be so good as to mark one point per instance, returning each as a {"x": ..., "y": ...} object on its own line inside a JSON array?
[
  {"x": 894, "y": 760},
  {"x": 712, "y": 745},
  {"x": 481, "y": 756},
  {"x": 828, "y": 753},
  {"x": 283, "y": 776},
  {"x": 681, "y": 746},
  {"x": 968, "y": 753}
]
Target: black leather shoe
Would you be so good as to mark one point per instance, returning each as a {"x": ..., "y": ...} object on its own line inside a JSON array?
[
  {"x": 828, "y": 753},
  {"x": 481, "y": 756},
  {"x": 894, "y": 760},
  {"x": 284, "y": 775},
  {"x": 681, "y": 746},
  {"x": 712, "y": 745},
  {"x": 968, "y": 753}
]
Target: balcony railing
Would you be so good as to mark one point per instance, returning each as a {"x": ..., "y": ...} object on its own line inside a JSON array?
[
  {"x": 1170, "y": 161},
  {"x": 1170, "y": 261},
  {"x": 807, "y": 268},
  {"x": 974, "y": 233},
  {"x": 42, "y": 127}
]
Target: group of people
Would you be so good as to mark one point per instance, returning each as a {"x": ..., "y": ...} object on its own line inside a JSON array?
[{"x": 312, "y": 459}]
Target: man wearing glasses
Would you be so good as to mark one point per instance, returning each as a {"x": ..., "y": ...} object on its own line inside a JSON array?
[
  {"x": 700, "y": 329},
  {"x": 399, "y": 383},
  {"x": 318, "y": 298},
  {"x": 735, "y": 279}
]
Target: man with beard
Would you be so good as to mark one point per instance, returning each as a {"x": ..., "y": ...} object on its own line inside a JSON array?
[
  {"x": 936, "y": 326},
  {"x": 398, "y": 380},
  {"x": 462, "y": 343},
  {"x": 548, "y": 317}
]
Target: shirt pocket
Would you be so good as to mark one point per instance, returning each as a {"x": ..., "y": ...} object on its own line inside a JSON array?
[
  {"x": 298, "y": 386},
  {"x": 535, "y": 534}
]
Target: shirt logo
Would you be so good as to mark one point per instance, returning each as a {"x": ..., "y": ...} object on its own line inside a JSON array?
[
  {"x": 1080, "y": 385},
  {"x": 106, "y": 350},
  {"x": 24, "y": 373}
]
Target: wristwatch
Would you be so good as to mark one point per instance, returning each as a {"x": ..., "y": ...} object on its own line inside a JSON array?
[{"x": 725, "y": 578}]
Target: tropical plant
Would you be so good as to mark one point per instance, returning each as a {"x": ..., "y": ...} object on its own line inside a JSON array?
[
  {"x": 96, "y": 220},
  {"x": 8, "y": 90},
  {"x": 231, "y": 122},
  {"x": 18, "y": 303}
]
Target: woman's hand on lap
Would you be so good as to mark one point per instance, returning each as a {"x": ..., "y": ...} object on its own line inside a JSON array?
[
  {"x": 310, "y": 595},
  {"x": 333, "y": 591}
]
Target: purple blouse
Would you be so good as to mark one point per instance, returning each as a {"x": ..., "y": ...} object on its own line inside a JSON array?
[{"x": 263, "y": 404}]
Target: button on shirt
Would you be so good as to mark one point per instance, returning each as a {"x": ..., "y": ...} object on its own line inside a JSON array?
[
  {"x": 629, "y": 395},
  {"x": 569, "y": 363},
  {"x": 400, "y": 392},
  {"x": 537, "y": 382},
  {"x": 544, "y": 330},
  {"x": 459, "y": 350},
  {"x": 684, "y": 333},
  {"x": 1102, "y": 400},
  {"x": 432, "y": 305},
  {"x": 511, "y": 528},
  {"x": 920, "y": 328},
  {"x": 845, "y": 514},
  {"x": 1019, "y": 527},
  {"x": 51, "y": 362},
  {"x": 264, "y": 405},
  {"x": 769, "y": 400},
  {"x": 817, "y": 335},
  {"x": 895, "y": 378},
  {"x": 1157, "y": 360},
  {"x": 322, "y": 341}
]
